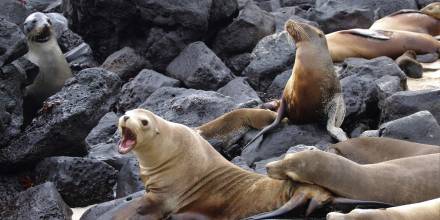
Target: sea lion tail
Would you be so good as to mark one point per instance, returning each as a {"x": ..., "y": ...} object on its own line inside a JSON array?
[
  {"x": 280, "y": 115},
  {"x": 350, "y": 204}
]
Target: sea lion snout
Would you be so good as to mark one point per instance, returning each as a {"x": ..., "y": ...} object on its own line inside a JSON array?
[
  {"x": 335, "y": 216},
  {"x": 38, "y": 27}
]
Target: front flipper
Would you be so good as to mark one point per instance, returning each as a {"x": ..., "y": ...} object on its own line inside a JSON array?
[
  {"x": 373, "y": 34},
  {"x": 336, "y": 113}
]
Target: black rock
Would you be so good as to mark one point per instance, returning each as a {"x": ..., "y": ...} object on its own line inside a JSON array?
[
  {"x": 199, "y": 68},
  {"x": 12, "y": 43},
  {"x": 365, "y": 84},
  {"x": 239, "y": 161},
  {"x": 302, "y": 3},
  {"x": 295, "y": 13},
  {"x": 268, "y": 5},
  {"x": 80, "y": 57},
  {"x": 420, "y": 127},
  {"x": 98, "y": 210},
  {"x": 245, "y": 31},
  {"x": 423, "y": 3},
  {"x": 80, "y": 181},
  {"x": 129, "y": 179},
  {"x": 141, "y": 87},
  {"x": 65, "y": 120},
  {"x": 273, "y": 55},
  {"x": 39, "y": 202},
  {"x": 222, "y": 11},
  {"x": 104, "y": 130},
  {"x": 240, "y": 90},
  {"x": 276, "y": 89},
  {"x": 238, "y": 62},
  {"x": 39, "y": 5},
  {"x": 279, "y": 140},
  {"x": 333, "y": 15},
  {"x": 108, "y": 153},
  {"x": 14, "y": 11},
  {"x": 13, "y": 77},
  {"x": 408, "y": 102},
  {"x": 69, "y": 40},
  {"x": 10, "y": 186},
  {"x": 188, "y": 106},
  {"x": 125, "y": 62}
]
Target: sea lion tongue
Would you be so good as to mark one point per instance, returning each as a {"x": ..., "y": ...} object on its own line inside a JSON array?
[{"x": 128, "y": 141}]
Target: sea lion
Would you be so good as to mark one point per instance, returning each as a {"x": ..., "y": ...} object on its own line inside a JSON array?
[
  {"x": 368, "y": 150},
  {"x": 426, "y": 21},
  {"x": 313, "y": 91},
  {"x": 428, "y": 210},
  {"x": 183, "y": 173},
  {"x": 409, "y": 65},
  {"x": 370, "y": 44},
  {"x": 46, "y": 54},
  {"x": 399, "y": 182}
]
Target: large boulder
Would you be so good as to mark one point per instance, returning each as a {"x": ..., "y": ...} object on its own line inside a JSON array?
[
  {"x": 279, "y": 140},
  {"x": 12, "y": 41},
  {"x": 65, "y": 120},
  {"x": 238, "y": 62},
  {"x": 365, "y": 84},
  {"x": 333, "y": 15},
  {"x": 240, "y": 90},
  {"x": 39, "y": 202},
  {"x": 14, "y": 11},
  {"x": 107, "y": 152},
  {"x": 141, "y": 87},
  {"x": 272, "y": 55},
  {"x": 276, "y": 89},
  {"x": 125, "y": 62},
  {"x": 245, "y": 31},
  {"x": 129, "y": 179},
  {"x": 419, "y": 127},
  {"x": 295, "y": 13},
  {"x": 222, "y": 11},
  {"x": 13, "y": 77},
  {"x": 104, "y": 130},
  {"x": 188, "y": 106},
  {"x": 199, "y": 68},
  {"x": 80, "y": 181},
  {"x": 408, "y": 102},
  {"x": 10, "y": 186}
]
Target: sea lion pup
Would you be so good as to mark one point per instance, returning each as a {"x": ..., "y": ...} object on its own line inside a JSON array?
[
  {"x": 426, "y": 21},
  {"x": 46, "y": 54},
  {"x": 370, "y": 44},
  {"x": 368, "y": 150},
  {"x": 401, "y": 181},
  {"x": 409, "y": 65},
  {"x": 428, "y": 210},
  {"x": 183, "y": 173},
  {"x": 313, "y": 91}
]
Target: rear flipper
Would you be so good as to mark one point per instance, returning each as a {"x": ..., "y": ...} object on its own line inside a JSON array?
[
  {"x": 428, "y": 58},
  {"x": 409, "y": 65},
  {"x": 336, "y": 113},
  {"x": 280, "y": 115}
]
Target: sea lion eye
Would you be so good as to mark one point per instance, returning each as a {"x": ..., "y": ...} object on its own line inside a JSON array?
[
  {"x": 144, "y": 122},
  {"x": 48, "y": 21},
  {"x": 34, "y": 21}
]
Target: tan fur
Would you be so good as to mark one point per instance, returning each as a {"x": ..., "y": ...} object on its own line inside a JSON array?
[
  {"x": 401, "y": 181},
  {"x": 343, "y": 45},
  {"x": 367, "y": 150},
  {"x": 184, "y": 174},
  {"x": 426, "y": 21},
  {"x": 428, "y": 210}
]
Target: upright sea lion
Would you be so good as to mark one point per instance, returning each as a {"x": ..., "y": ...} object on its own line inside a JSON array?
[
  {"x": 368, "y": 150},
  {"x": 46, "y": 54},
  {"x": 428, "y": 210},
  {"x": 409, "y": 65},
  {"x": 401, "y": 181},
  {"x": 183, "y": 173},
  {"x": 370, "y": 44},
  {"x": 313, "y": 91},
  {"x": 426, "y": 21}
]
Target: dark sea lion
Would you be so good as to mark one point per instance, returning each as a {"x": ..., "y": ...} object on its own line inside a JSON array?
[{"x": 409, "y": 65}]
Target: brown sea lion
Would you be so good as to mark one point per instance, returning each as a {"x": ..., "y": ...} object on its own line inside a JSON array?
[
  {"x": 428, "y": 210},
  {"x": 426, "y": 21},
  {"x": 183, "y": 173},
  {"x": 409, "y": 65},
  {"x": 368, "y": 150},
  {"x": 399, "y": 182},
  {"x": 369, "y": 44},
  {"x": 313, "y": 91}
]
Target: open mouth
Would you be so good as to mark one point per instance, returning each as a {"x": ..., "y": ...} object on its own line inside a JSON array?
[
  {"x": 128, "y": 141},
  {"x": 43, "y": 36}
]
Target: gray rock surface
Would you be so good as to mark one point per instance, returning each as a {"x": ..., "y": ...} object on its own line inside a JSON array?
[
  {"x": 107, "y": 152},
  {"x": 12, "y": 43},
  {"x": 125, "y": 62},
  {"x": 104, "y": 130},
  {"x": 240, "y": 90},
  {"x": 129, "y": 180}
]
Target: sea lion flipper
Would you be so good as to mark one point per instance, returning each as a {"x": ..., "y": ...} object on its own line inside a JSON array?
[
  {"x": 336, "y": 114},
  {"x": 297, "y": 200},
  {"x": 375, "y": 34},
  {"x": 348, "y": 204},
  {"x": 280, "y": 115}
]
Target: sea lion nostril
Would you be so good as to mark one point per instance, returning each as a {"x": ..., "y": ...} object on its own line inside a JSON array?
[{"x": 126, "y": 118}]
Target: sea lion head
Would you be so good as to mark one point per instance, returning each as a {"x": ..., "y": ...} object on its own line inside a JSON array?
[
  {"x": 301, "y": 32},
  {"x": 38, "y": 27},
  {"x": 432, "y": 9},
  {"x": 138, "y": 128}
]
